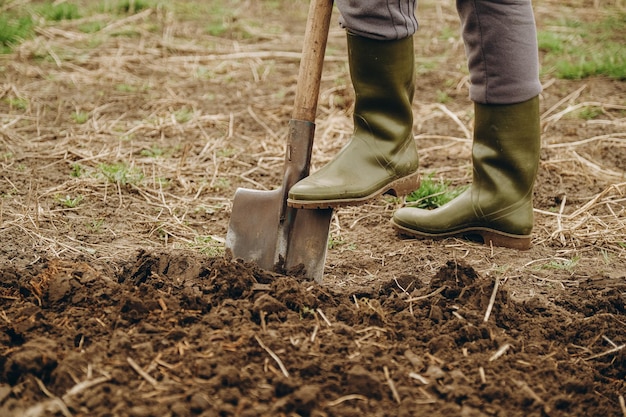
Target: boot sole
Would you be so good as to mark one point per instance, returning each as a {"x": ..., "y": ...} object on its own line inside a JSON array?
[
  {"x": 401, "y": 186},
  {"x": 488, "y": 236}
]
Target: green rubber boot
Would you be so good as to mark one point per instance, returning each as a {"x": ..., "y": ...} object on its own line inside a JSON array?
[
  {"x": 381, "y": 156},
  {"x": 497, "y": 207}
]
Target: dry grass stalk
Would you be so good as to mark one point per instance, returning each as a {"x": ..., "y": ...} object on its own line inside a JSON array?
[
  {"x": 431, "y": 294},
  {"x": 141, "y": 372},
  {"x": 500, "y": 352},
  {"x": 492, "y": 299},
  {"x": 345, "y": 398},
  {"x": 607, "y": 352},
  {"x": 483, "y": 377},
  {"x": 52, "y": 405},
  {"x": 323, "y": 316},
  {"x": 273, "y": 355},
  {"x": 392, "y": 385}
]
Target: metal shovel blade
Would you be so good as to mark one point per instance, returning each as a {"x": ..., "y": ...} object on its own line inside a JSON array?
[
  {"x": 264, "y": 230},
  {"x": 309, "y": 241},
  {"x": 256, "y": 233},
  {"x": 253, "y": 228}
]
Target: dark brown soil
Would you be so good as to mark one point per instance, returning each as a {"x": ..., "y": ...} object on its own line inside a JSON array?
[
  {"x": 177, "y": 334},
  {"x": 126, "y": 305}
]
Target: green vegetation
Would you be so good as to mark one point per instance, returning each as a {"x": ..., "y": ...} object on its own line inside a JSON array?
[
  {"x": 95, "y": 226},
  {"x": 68, "y": 201},
  {"x": 17, "y": 23},
  {"x": 442, "y": 97},
  {"x": 80, "y": 117},
  {"x": 221, "y": 184},
  {"x": 208, "y": 246},
  {"x": 306, "y": 311},
  {"x": 17, "y": 103},
  {"x": 226, "y": 152},
  {"x": 129, "y": 6},
  {"x": 183, "y": 115},
  {"x": 221, "y": 19},
  {"x": 76, "y": 171},
  {"x": 58, "y": 11},
  {"x": 336, "y": 242},
  {"x": 125, "y": 88},
  {"x": 575, "y": 49},
  {"x": 432, "y": 193},
  {"x": 589, "y": 113},
  {"x": 120, "y": 173},
  {"x": 562, "y": 264},
  {"x": 13, "y": 30},
  {"x": 153, "y": 152},
  {"x": 19, "y": 20}
]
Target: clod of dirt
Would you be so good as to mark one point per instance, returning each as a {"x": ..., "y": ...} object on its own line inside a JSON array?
[
  {"x": 360, "y": 380},
  {"x": 36, "y": 357}
]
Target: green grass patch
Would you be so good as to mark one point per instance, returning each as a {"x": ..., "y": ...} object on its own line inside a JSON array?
[
  {"x": 14, "y": 29},
  {"x": 17, "y": 103},
  {"x": 223, "y": 22},
  {"x": 590, "y": 113},
  {"x": 58, "y": 11},
  {"x": 76, "y": 171},
  {"x": 207, "y": 245},
  {"x": 338, "y": 242},
  {"x": 80, "y": 117},
  {"x": 183, "y": 115},
  {"x": 154, "y": 152},
  {"x": 125, "y": 88},
  {"x": 69, "y": 201},
  {"x": 120, "y": 173},
  {"x": 575, "y": 49},
  {"x": 433, "y": 193},
  {"x": 91, "y": 27},
  {"x": 562, "y": 264},
  {"x": 220, "y": 184},
  {"x": 18, "y": 21},
  {"x": 126, "y": 6},
  {"x": 95, "y": 226}
]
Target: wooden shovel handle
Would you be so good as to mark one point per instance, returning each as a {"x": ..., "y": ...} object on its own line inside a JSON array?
[{"x": 313, "y": 50}]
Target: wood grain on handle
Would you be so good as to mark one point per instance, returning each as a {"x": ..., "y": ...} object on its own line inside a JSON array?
[{"x": 311, "y": 63}]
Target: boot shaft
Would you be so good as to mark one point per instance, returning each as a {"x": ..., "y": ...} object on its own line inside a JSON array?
[
  {"x": 505, "y": 152},
  {"x": 383, "y": 77}
]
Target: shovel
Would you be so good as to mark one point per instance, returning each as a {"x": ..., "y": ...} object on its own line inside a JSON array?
[{"x": 262, "y": 229}]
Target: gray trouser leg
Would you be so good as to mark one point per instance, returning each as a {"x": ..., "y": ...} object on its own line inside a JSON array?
[
  {"x": 501, "y": 45},
  {"x": 378, "y": 19},
  {"x": 500, "y": 41}
]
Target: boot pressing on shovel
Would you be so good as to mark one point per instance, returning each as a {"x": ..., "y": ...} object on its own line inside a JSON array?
[{"x": 262, "y": 228}]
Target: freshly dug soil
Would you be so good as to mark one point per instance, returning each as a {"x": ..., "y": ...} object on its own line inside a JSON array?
[{"x": 174, "y": 334}]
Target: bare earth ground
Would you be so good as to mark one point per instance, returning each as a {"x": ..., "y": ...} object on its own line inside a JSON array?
[{"x": 116, "y": 298}]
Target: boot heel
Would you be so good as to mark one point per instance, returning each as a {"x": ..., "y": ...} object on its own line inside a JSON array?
[
  {"x": 405, "y": 185},
  {"x": 505, "y": 240}
]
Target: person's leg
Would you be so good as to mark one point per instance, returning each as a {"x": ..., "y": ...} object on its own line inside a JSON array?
[
  {"x": 501, "y": 46},
  {"x": 381, "y": 157},
  {"x": 500, "y": 39},
  {"x": 384, "y": 20}
]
